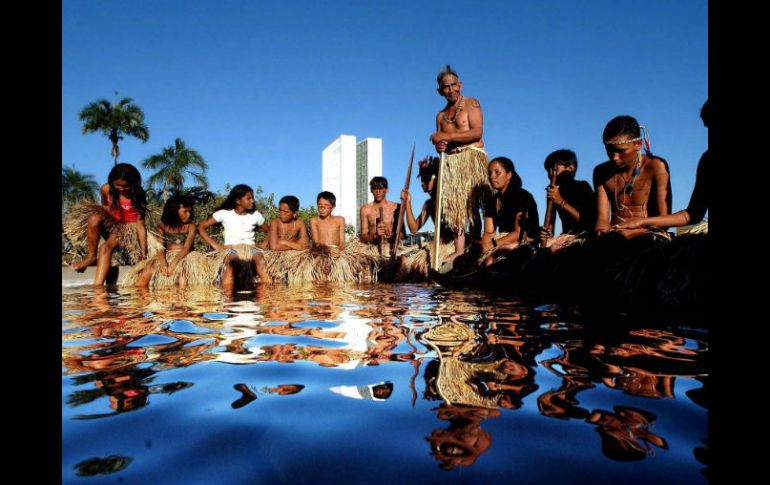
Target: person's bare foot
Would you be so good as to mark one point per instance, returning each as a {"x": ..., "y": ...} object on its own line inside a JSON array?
[{"x": 81, "y": 266}]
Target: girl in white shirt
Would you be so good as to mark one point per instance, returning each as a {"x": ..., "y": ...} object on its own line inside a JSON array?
[{"x": 240, "y": 221}]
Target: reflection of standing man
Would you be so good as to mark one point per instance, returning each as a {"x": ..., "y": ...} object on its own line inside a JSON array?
[{"x": 464, "y": 183}]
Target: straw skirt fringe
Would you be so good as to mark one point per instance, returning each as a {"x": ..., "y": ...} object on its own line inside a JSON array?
[
  {"x": 75, "y": 226},
  {"x": 196, "y": 268},
  {"x": 320, "y": 263},
  {"x": 464, "y": 185}
]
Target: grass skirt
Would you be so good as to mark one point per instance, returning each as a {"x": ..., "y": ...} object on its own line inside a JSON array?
[
  {"x": 464, "y": 185},
  {"x": 197, "y": 268},
  {"x": 75, "y": 227},
  {"x": 356, "y": 263}
]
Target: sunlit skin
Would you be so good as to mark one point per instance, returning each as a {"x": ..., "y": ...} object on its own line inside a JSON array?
[
  {"x": 160, "y": 262},
  {"x": 95, "y": 229},
  {"x": 613, "y": 176},
  {"x": 466, "y": 128},
  {"x": 428, "y": 185},
  {"x": 243, "y": 204},
  {"x": 677, "y": 219},
  {"x": 499, "y": 179},
  {"x": 326, "y": 229},
  {"x": 287, "y": 232},
  {"x": 459, "y": 124},
  {"x": 373, "y": 230}
]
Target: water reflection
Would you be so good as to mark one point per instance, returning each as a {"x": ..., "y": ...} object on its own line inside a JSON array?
[{"x": 479, "y": 359}]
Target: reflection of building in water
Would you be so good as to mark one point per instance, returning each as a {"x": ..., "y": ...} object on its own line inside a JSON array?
[{"x": 353, "y": 332}]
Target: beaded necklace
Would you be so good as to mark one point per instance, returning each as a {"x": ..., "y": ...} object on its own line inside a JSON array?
[
  {"x": 457, "y": 110},
  {"x": 628, "y": 185}
]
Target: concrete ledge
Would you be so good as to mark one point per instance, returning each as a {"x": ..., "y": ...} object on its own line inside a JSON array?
[{"x": 70, "y": 277}]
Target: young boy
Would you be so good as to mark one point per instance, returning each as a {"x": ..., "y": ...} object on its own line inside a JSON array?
[
  {"x": 376, "y": 229},
  {"x": 427, "y": 174},
  {"x": 630, "y": 185},
  {"x": 573, "y": 200},
  {"x": 326, "y": 229},
  {"x": 286, "y": 232}
]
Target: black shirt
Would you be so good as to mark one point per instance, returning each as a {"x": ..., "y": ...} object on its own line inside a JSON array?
[
  {"x": 699, "y": 202},
  {"x": 512, "y": 202},
  {"x": 580, "y": 195}
]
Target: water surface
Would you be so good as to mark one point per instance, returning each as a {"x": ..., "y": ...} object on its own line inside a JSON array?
[{"x": 373, "y": 384}]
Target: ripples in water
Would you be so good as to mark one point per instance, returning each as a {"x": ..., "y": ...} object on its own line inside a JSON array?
[{"x": 372, "y": 384}]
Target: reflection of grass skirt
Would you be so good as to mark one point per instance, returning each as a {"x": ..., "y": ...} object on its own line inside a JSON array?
[
  {"x": 463, "y": 186},
  {"x": 319, "y": 263},
  {"x": 75, "y": 226},
  {"x": 197, "y": 268}
]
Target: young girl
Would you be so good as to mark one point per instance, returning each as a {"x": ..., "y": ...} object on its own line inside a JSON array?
[
  {"x": 178, "y": 234},
  {"x": 119, "y": 220},
  {"x": 240, "y": 220}
]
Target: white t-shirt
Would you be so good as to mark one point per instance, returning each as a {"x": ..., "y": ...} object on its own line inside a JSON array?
[{"x": 239, "y": 229}]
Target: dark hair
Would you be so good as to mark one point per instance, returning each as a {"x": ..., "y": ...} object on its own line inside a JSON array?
[
  {"x": 386, "y": 387},
  {"x": 328, "y": 196},
  {"x": 378, "y": 182},
  {"x": 428, "y": 166},
  {"x": 507, "y": 165},
  {"x": 621, "y": 125},
  {"x": 560, "y": 156},
  {"x": 705, "y": 114},
  {"x": 291, "y": 201},
  {"x": 446, "y": 71},
  {"x": 170, "y": 215},
  {"x": 235, "y": 193},
  {"x": 129, "y": 173}
]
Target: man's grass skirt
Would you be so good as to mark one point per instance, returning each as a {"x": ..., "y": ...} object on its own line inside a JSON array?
[{"x": 464, "y": 186}]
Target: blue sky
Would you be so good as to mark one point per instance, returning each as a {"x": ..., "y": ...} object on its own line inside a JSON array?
[{"x": 260, "y": 88}]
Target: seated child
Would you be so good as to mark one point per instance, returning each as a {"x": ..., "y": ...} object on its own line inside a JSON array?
[
  {"x": 286, "y": 232},
  {"x": 240, "y": 220},
  {"x": 178, "y": 234},
  {"x": 326, "y": 229},
  {"x": 120, "y": 221}
]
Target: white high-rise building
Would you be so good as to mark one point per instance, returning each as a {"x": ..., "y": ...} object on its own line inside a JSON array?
[{"x": 347, "y": 169}]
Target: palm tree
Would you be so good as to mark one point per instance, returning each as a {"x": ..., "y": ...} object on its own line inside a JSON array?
[
  {"x": 76, "y": 186},
  {"x": 123, "y": 118},
  {"x": 172, "y": 165}
]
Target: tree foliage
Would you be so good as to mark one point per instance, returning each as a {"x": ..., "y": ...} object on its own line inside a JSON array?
[
  {"x": 114, "y": 121},
  {"x": 174, "y": 165}
]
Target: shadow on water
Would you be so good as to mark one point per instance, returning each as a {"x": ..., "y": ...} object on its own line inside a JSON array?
[{"x": 388, "y": 383}]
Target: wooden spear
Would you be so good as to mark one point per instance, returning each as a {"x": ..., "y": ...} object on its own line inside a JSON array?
[
  {"x": 437, "y": 218},
  {"x": 401, "y": 212}
]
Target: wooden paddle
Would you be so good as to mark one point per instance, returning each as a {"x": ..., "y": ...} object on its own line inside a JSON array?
[
  {"x": 378, "y": 221},
  {"x": 401, "y": 212},
  {"x": 550, "y": 213},
  {"x": 437, "y": 217}
]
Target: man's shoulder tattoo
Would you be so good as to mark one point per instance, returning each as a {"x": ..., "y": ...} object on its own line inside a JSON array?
[{"x": 475, "y": 103}]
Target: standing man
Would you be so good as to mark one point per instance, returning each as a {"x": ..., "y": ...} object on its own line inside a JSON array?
[{"x": 464, "y": 182}]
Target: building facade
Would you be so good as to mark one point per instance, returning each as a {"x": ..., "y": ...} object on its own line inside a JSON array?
[{"x": 347, "y": 168}]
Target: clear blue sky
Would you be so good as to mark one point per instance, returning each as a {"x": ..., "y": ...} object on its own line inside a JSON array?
[{"x": 260, "y": 88}]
